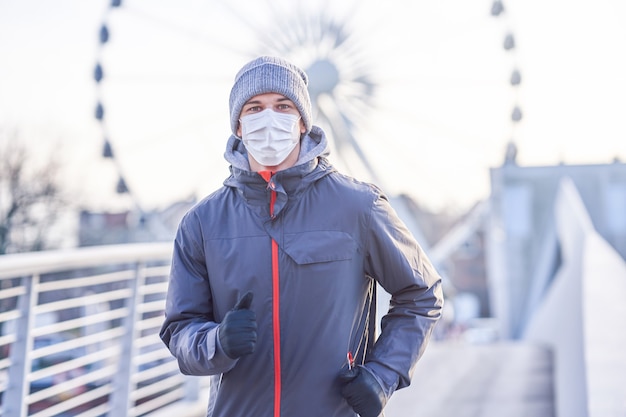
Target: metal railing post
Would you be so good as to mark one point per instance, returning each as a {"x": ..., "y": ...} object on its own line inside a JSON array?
[
  {"x": 18, "y": 385},
  {"x": 123, "y": 384},
  {"x": 101, "y": 361}
]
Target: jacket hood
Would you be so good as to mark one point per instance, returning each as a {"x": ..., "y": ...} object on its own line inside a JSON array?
[
  {"x": 312, "y": 145},
  {"x": 312, "y": 165}
]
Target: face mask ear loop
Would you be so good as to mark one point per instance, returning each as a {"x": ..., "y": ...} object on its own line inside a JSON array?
[{"x": 239, "y": 128}]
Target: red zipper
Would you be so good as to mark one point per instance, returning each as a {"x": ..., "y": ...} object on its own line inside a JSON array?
[
  {"x": 267, "y": 175},
  {"x": 276, "y": 322}
]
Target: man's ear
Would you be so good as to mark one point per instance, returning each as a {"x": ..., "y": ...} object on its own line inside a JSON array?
[
  {"x": 238, "y": 129},
  {"x": 302, "y": 126}
]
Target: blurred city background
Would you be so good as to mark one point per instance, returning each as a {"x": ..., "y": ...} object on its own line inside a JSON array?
[{"x": 496, "y": 128}]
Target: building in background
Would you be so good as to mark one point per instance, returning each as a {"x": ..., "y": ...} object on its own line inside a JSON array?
[
  {"x": 524, "y": 252},
  {"x": 106, "y": 228}
]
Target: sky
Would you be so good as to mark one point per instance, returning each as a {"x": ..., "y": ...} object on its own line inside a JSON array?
[{"x": 439, "y": 118}]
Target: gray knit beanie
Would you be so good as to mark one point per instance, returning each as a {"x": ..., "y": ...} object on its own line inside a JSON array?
[{"x": 268, "y": 74}]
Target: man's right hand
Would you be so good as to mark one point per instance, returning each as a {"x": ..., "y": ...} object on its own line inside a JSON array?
[{"x": 237, "y": 332}]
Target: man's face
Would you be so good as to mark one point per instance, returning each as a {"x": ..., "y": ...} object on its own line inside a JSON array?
[
  {"x": 276, "y": 102},
  {"x": 279, "y": 104}
]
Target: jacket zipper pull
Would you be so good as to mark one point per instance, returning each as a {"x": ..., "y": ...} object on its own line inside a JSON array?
[{"x": 350, "y": 360}]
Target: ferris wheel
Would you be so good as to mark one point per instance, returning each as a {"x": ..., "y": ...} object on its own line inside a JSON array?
[{"x": 382, "y": 81}]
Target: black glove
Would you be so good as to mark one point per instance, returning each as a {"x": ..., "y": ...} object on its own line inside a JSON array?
[
  {"x": 363, "y": 392},
  {"x": 237, "y": 332}
]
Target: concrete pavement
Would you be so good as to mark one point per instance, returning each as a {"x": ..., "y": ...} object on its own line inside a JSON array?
[{"x": 491, "y": 380}]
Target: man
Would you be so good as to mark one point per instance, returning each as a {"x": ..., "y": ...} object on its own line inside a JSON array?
[{"x": 272, "y": 287}]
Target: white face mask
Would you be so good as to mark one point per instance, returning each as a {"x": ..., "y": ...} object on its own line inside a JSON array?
[{"x": 269, "y": 136}]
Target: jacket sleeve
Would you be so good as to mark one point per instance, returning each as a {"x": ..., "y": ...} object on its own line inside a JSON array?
[
  {"x": 397, "y": 262},
  {"x": 189, "y": 330}
]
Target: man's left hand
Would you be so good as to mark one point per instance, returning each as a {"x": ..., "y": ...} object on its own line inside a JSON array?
[{"x": 362, "y": 391}]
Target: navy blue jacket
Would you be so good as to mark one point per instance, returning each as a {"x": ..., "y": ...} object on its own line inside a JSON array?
[{"x": 334, "y": 239}]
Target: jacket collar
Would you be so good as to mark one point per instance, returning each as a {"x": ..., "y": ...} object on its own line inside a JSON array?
[
  {"x": 313, "y": 152},
  {"x": 312, "y": 164}
]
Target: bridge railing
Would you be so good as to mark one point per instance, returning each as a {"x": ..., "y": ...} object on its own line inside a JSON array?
[{"x": 79, "y": 334}]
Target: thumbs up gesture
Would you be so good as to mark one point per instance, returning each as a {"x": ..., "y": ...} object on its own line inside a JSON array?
[{"x": 237, "y": 332}]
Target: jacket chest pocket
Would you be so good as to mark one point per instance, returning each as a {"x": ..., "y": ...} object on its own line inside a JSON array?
[{"x": 319, "y": 246}]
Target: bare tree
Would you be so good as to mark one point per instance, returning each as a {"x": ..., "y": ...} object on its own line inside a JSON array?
[{"x": 30, "y": 198}]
